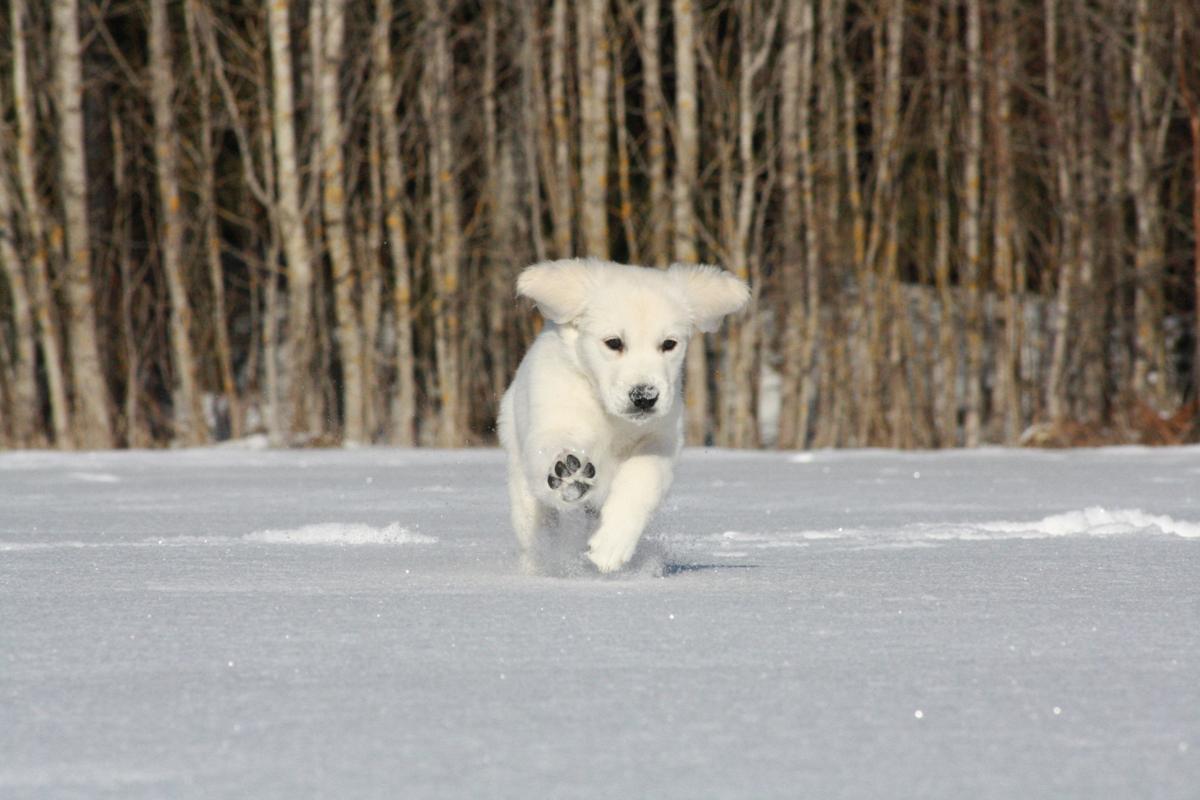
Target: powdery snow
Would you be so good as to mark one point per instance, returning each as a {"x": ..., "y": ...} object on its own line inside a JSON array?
[
  {"x": 240, "y": 622},
  {"x": 341, "y": 534},
  {"x": 1092, "y": 521}
]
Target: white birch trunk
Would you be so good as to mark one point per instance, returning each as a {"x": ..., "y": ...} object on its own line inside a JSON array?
[
  {"x": 592, "y": 51},
  {"x": 794, "y": 302},
  {"x": 560, "y": 194},
  {"x": 1056, "y": 381},
  {"x": 299, "y": 349},
  {"x": 24, "y": 404},
  {"x": 947, "y": 403},
  {"x": 208, "y": 209},
  {"x": 404, "y": 408},
  {"x": 971, "y": 224},
  {"x": 812, "y": 242},
  {"x": 333, "y": 207},
  {"x": 687, "y": 150},
  {"x": 94, "y": 427},
  {"x": 447, "y": 237},
  {"x": 658, "y": 217},
  {"x": 190, "y": 428},
  {"x": 36, "y": 222},
  {"x": 1149, "y": 378}
]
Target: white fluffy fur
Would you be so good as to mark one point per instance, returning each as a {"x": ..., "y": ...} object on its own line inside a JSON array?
[{"x": 571, "y": 396}]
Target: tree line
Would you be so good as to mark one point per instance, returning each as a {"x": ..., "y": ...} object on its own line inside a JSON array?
[{"x": 964, "y": 221}]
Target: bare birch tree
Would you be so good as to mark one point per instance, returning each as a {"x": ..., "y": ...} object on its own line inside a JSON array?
[
  {"x": 1065, "y": 255},
  {"x": 202, "y": 71},
  {"x": 687, "y": 155},
  {"x": 1187, "y": 39},
  {"x": 24, "y": 370},
  {"x": 971, "y": 224},
  {"x": 957, "y": 218},
  {"x": 447, "y": 232},
  {"x": 1147, "y": 102},
  {"x": 1006, "y": 400},
  {"x": 592, "y": 52},
  {"x": 384, "y": 97},
  {"x": 296, "y": 248},
  {"x": 189, "y": 416},
  {"x": 560, "y": 194},
  {"x": 93, "y": 425},
  {"x": 333, "y": 207},
  {"x": 658, "y": 218}
]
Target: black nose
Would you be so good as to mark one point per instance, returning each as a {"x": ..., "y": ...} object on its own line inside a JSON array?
[{"x": 643, "y": 397}]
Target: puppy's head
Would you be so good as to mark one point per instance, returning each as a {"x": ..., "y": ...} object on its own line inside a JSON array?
[{"x": 630, "y": 326}]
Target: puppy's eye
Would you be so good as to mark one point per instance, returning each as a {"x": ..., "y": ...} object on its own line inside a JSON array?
[
  {"x": 614, "y": 344},
  {"x": 669, "y": 345}
]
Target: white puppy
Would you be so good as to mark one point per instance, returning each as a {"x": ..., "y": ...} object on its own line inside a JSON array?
[{"x": 593, "y": 419}]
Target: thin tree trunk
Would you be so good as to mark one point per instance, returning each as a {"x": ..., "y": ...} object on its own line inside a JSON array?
[
  {"x": 368, "y": 216},
  {"x": 592, "y": 51},
  {"x": 323, "y": 413},
  {"x": 1116, "y": 249},
  {"x": 36, "y": 222},
  {"x": 687, "y": 154},
  {"x": 274, "y": 354},
  {"x": 903, "y": 419},
  {"x": 882, "y": 330},
  {"x": 1006, "y": 400},
  {"x": 727, "y": 205},
  {"x": 501, "y": 201},
  {"x": 24, "y": 403},
  {"x": 507, "y": 257},
  {"x": 624, "y": 183},
  {"x": 658, "y": 217},
  {"x": 1187, "y": 30},
  {"x": 971, "y": 219},
  {"x": 866, "y": 400},
  {"x": 812, "y": 242},
  {"x": 404, "y": 409},
  {"x": 739, "y": 425},
  {"x": 560, "y": 195},
  {"x": 189, "y": 415},
  {"x": 299, "y": 349},
  {"x": 447, "y": 240},
  {"x": 91, "y": 391},
  {"x": 947, "y": 405},
  {"x": 794, "y": 304},
  {"x": 829, "y": 205},
  {"x": 1090, "y": 348},
  {"x": 136, "y": 433},
  {"x": 537, "y": 139},
  {"x": 208, "y": 211},
  {"x": 333, "y": 206},
  {"x": 1056, "y": 385},
  {"x": 1149, "y": 375}
]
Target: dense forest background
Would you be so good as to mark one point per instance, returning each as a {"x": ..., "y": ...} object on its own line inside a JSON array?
[{"x": 964, "y": 221}]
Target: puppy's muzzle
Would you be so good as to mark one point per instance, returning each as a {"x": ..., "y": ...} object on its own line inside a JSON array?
[{"x": 643, "y": 397}]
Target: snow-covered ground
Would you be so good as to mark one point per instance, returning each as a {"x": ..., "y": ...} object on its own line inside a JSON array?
[{"x": 242, "y": 623}]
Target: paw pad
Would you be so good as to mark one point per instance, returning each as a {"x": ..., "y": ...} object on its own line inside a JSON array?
[{"x": 571, "y": 476}]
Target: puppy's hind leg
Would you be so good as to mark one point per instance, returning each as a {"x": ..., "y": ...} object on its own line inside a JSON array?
[{"x": 525, "y": 511}]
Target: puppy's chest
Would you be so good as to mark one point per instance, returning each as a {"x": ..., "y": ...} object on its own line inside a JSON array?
[{"x": 624, "y": 444}]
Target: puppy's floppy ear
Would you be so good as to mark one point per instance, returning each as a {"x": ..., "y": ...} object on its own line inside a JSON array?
[
  {"x": 560, "y": 288},
  {"x": 711, "y": 293}
]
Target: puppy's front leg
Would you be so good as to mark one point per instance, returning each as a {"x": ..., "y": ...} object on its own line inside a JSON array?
[
  {"x": 636, "y": 491},
  {"x": 561, "y": 468}
]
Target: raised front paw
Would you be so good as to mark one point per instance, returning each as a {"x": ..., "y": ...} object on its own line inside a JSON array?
[{"x": 571, "y": 477}]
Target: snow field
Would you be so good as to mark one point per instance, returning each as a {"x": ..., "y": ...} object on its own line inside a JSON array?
[{"x": 233, "y": 623}]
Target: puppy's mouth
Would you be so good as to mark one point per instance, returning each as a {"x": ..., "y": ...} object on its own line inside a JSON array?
[{"x": 635, "y": 414}]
